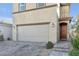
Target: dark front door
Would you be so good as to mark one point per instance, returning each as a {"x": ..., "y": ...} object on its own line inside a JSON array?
[{"x": 63, "y": 31}]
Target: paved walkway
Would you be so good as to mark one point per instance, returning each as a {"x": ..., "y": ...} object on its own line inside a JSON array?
[
  {"x": 12, "y": 48},
  {"x": 61, "y": 49}
]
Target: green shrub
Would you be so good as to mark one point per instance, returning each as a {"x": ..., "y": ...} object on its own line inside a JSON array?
[
  {"x": 75, "y": 42},
  {"x": 74, "y": 52},
  {"x": 1, "y": 38},
  {"x": 49, "y": 45}
]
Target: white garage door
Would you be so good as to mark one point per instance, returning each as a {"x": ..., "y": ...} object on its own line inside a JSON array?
[{"x": 35, "y": 33}]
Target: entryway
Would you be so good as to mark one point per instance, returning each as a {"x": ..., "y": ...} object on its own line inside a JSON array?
[{"x": 63, "y": 31}]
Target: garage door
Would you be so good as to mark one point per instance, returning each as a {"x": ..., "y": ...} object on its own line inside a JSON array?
[{"x": 36, "y": 33}]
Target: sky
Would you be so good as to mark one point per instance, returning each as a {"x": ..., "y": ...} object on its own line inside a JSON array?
[
  {"x": 6, "y": 11},
  {"x": 74, "y": 10}
]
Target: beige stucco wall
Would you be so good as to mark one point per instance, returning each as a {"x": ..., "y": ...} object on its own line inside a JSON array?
[
  {"x": 36, "y": 16},
  {"x": 53, "y": 35},
  {"x": 28, "y": 6},
  {"x": 65, "y": 11},
  {"x": 15, "y": 7}
]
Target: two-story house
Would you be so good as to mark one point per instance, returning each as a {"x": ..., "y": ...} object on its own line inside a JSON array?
[{"x": 41, "y": 22}]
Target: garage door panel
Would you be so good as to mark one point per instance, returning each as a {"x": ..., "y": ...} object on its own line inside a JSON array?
[{"x": 37, "y": 33}]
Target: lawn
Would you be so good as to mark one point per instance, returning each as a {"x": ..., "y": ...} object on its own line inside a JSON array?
[{"x": 74, "y": 52}]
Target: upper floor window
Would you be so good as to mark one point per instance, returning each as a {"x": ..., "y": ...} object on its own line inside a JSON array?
[
  {"x": 22, "y": 6},
  {"x": 38, "y": 5}
]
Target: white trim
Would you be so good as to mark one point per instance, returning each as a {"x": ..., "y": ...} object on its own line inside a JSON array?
[{"x": 58, "y": 10}]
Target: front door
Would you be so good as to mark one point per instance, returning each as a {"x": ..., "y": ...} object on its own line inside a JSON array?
[{"x": 63, "y": 31}]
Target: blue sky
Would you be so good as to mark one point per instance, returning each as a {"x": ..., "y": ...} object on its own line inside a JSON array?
[
  {"x": 6, "y": 11},
  {"x": 74, "y": 9}
]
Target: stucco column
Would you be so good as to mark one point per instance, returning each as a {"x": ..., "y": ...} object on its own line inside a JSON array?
[{"x": 52, "y": 32}]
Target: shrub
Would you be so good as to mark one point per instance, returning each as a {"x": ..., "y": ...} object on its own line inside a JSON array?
[
  {"x": 74, "y": 52},
  {"x": 49, "y": 45},
  {"x": 1, "y": 38},
  {"x": 75, "y": 42}
]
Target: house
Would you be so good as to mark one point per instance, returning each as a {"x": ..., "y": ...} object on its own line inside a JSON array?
[
  {"x": 6, "y": 30},
  {"x": 41, "y": 22}
]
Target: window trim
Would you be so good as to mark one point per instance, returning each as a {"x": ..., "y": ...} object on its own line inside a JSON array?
[
  {"x": 19, "y": 7},
  {"x": 40, "y": 6}
]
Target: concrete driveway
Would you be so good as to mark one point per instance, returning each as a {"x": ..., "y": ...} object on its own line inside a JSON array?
[{"x": 14, "y": 48}]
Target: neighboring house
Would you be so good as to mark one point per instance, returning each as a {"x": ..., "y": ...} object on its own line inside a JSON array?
[
  {"x": 6, "y": 30},
  {"x": 41, "y": 22}
]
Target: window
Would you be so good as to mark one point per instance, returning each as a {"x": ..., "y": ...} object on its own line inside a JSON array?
[
  {"x": 22, "y": 6},
  {"x": 38, "y": 5}
]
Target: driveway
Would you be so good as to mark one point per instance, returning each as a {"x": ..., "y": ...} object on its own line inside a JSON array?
[{"x": 14, "y": 48}]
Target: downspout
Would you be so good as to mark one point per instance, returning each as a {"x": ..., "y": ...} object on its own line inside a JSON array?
[{"x": 58, "y": 16}]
